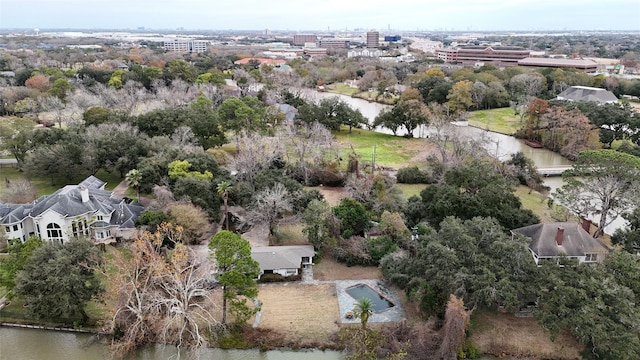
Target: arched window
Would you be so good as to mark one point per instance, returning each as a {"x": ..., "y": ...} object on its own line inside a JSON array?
[{"x": 54, "y": 232}]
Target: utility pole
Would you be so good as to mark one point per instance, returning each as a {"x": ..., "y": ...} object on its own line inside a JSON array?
[{"x": 373, "y": 160}]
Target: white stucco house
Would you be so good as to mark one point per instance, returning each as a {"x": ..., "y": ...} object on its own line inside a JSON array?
[
  {"x": 86, "y": 209},
  {"x": 283, "y": 260}
]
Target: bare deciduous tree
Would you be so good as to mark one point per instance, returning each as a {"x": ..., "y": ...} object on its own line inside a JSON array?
[
  {"x": 155, "y": 299},
  {"x": 55, "y": 106},
  {"x": 360, "y": 188},
  {"x": 453, "y": 146},
  {"x": 456, "y": 321},
  {"x": 19, "y": 191},
  {"x": 178, "y": 94},
  {"x": 269, "y": 205},
  {"x": 255, "y": 153},
  {"x": 312, "y": 143},
  {"x": 163, "y": 195},
  {"x": 182, "y": 136}
]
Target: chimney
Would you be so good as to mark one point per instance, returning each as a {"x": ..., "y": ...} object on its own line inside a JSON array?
[
  {"x": 84, "y": 192},
  {"x": 559, "y": 236},
  {"x": 586, "y": 225}
]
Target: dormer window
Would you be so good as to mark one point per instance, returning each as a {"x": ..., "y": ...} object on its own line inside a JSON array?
[{"x": 591, "y": 257}]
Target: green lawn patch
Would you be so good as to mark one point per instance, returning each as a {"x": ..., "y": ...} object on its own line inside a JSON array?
[
  {"x": 535, "y": 201},
  {"x": 340, "y": 88},
  {"x": 3, "y": 291},
  {"x": 408, "y": 190},
  {"x": 497, "y": 120},
  {"x": 393, "y": 151}
]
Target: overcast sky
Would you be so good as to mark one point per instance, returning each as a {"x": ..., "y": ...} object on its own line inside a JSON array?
[{"x": 323, "y": 14}]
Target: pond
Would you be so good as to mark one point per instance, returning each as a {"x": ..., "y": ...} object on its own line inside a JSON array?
[{"x": 363, "y": 291}]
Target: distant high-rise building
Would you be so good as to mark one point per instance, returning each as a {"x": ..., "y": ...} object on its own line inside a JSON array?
[
  {"x": 300, "y": 40},
  {"x": 188, "y": 45},
  {"x": 373, "y": 39},
  {"x": 334, "y": 43}
]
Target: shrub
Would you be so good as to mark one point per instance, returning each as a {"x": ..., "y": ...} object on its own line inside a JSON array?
[
  {"x": 413, "y": 175},
  {"x": 469, "y": 350},
  {"x": 269, "y": 278},
  {"x": 327, "y": 178},
  {"x": 381, "y": 246}
]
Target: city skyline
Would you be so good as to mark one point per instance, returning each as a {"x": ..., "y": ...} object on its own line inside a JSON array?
[{"x": 462, "y": 15}]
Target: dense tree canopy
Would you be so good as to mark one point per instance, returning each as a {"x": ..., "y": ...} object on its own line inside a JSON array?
[
  {"x": 597, "y": 304},
  {"x": 470, "y": 190},
  {"x": 68, "y": 268},
  {"x": 473, "y": 259}
]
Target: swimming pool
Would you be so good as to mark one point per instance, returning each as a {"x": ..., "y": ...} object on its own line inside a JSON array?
[{"x": 379, "y": 302}]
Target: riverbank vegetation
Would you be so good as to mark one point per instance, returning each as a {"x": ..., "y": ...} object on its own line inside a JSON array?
[{"x": 205, "y": 155}]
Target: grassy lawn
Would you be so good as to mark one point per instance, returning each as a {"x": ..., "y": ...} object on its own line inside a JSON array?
[
  {"x": 498, "y": 120},
  {"x": 340, "y": 88},
  {"x": 43, "y": 185},
  {"x": 535, "y": 201},
  {"x": 408, "y": 190},
  {"x": 3, "y": 291},
  {"x": 394, "y": 151}
]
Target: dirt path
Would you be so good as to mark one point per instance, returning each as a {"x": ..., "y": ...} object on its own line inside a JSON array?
[{"x": 120, "y": 191}]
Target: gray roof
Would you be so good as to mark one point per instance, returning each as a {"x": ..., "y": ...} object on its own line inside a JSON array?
[
  {"x": 575, "y": 242},
  {"x": 585, "y": 93},
  {"x": 289, "y": 111},
  {"x": 535, "y": 61},
  {"x": 126, "y": 214},
  {"x": 68, "y": 202},
  {"x": 13, "y": 213},
  {"x": 93, "y": 182},
  {"x": 281, "y": 257}
]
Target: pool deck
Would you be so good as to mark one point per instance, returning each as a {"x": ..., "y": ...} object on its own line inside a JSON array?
[{"x": 346, "y": 302}]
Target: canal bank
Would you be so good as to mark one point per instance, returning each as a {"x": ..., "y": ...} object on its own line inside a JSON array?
[{"x": 29, "y": 344}]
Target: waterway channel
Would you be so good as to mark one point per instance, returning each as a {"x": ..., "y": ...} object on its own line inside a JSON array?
[
  {"x": 499, "y": 145},
  {"x": 30, "y": 344}
]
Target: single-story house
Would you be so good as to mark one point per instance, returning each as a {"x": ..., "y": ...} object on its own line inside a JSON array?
[
  {"x": 586, "y": 93},
  {"x": 86, "y": 209},
  {"x": 551, "y": 241},
  {"x": 283, "y": 260}
]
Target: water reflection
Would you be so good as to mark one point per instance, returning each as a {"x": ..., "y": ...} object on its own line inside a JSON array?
[{"x": 29, "y": 344}]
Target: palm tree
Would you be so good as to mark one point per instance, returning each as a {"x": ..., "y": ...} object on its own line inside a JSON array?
[
  {"x": 223, "y": 189},
  {"x": 134, "y": 178},
  {"x": 363, "y": 309}
]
